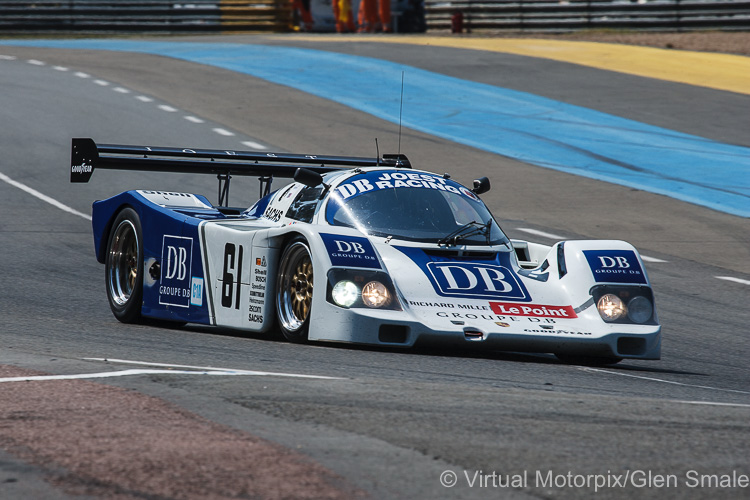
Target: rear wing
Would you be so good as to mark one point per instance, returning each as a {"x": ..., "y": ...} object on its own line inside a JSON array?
[{"x": 87, "y": 156}]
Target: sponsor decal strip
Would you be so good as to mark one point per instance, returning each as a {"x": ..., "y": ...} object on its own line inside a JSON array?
[
  {"x": 537, "y": 311},
  {"x": 496, "y": 318},
  {"x": 559, "y": 331},
  {"x": 375, "y": 181}
]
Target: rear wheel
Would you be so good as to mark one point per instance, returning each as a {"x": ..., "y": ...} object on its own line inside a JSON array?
[
  {"x": 294, "y": 290},
  {"x": 124, "y": 267}
]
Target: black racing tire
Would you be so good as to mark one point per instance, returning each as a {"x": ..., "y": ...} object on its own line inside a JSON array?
[
  {"x": 294, "y": 290},
  {"x": 124, "y": 266},
  {"x": 574, "y": 359}
]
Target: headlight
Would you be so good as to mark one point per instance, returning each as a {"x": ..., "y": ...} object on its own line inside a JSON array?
[
  {"x": 345, "y": 293},
  {"x": 610, "y": 307},
  {"x": 375, "y": 294},
  {"x": 625, "y": 304},
  {"x": 360, "y": 288},
  {"x": 640, "y": 309}
]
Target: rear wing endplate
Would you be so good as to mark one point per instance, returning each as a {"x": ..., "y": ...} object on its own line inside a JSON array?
[{"x": 87, "y": 156}]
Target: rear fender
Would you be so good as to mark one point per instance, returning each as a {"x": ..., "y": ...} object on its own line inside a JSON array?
[
  {"x": 103, "y": 214},
  {"x": 160, "y": 207}
]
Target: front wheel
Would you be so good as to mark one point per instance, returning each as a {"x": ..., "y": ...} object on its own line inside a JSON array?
[
  {"x": 294, "y": 290},
  {"x": 124, "y": 267}
]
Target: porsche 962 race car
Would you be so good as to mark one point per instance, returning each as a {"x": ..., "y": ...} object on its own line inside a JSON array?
[{"x": 360, "y": 250}]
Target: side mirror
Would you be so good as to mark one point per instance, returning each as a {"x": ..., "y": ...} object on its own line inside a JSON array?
[
  {"x": 481, "y": 185},
  {"x": 308, "y": 177}
]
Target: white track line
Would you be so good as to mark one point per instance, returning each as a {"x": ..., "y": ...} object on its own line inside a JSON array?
[
  {"x": 124, "y": 373},
  {"x": 212, "y": 369},
  {"x": 653, "y": 379},
  {"x": 254, "y": 145},
  {"x": 736, "y": 280},
  {"x": 164, "y": 107},
  {"x": 541, "y": 233},
  {"x": 711, "y": 403},
  {"x": 646, "y": 258},
  {"x": 43, "y": 197},
  {"x": 557, "y": 237},
  {"x": 224, "y": 132},
  {"x": 170, "y": 109},
  {"x": 121, "y": 373}
]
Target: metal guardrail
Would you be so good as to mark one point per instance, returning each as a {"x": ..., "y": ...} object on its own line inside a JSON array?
[
  {"x": 86, "y": 16},
  {"x": 144, "y": 15},
  {"x": 574, "y": 15}
]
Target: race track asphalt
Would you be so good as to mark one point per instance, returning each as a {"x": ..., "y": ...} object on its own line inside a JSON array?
[{"x": 396, "y": 420}]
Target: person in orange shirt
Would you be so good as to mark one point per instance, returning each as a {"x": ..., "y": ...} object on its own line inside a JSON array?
[
  {"x": 385, "y": 15},
  {"x": 368, "y": 16},
  {"x": 374, "y": 15}
]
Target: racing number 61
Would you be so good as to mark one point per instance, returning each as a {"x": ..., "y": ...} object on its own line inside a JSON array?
[{"x": 230, "y": 279}]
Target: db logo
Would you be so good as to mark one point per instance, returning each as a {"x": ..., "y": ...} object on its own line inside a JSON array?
[
  {"x": 176, "y": 259},
  {"x": 618, "y": 260},
  {"x": 618, "y": 266},
  {"x": 349, "y": 246},
  {"x": 474, "y": 280},
  {"x": 176, "y": 267},
  {"x": 176, "y": 263},
  {"x": 350, "y": 251}
]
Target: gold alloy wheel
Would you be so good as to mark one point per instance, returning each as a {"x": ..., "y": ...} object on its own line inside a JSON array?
[
  {"x": 295, "y": 290},
  {"x": 302, "y": 288}
]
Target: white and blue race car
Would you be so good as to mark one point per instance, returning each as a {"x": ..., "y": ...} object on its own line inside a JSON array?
[{"x": 358, "y": 250}]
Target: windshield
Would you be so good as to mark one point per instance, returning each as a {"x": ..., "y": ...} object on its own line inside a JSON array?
[{"x": 412, "y": 206}]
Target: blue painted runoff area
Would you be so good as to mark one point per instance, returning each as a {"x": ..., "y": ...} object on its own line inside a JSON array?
[{"x": 515, "y": 124}]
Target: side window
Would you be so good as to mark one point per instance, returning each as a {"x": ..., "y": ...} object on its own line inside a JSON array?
[{"x": 303, "y": 207}]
